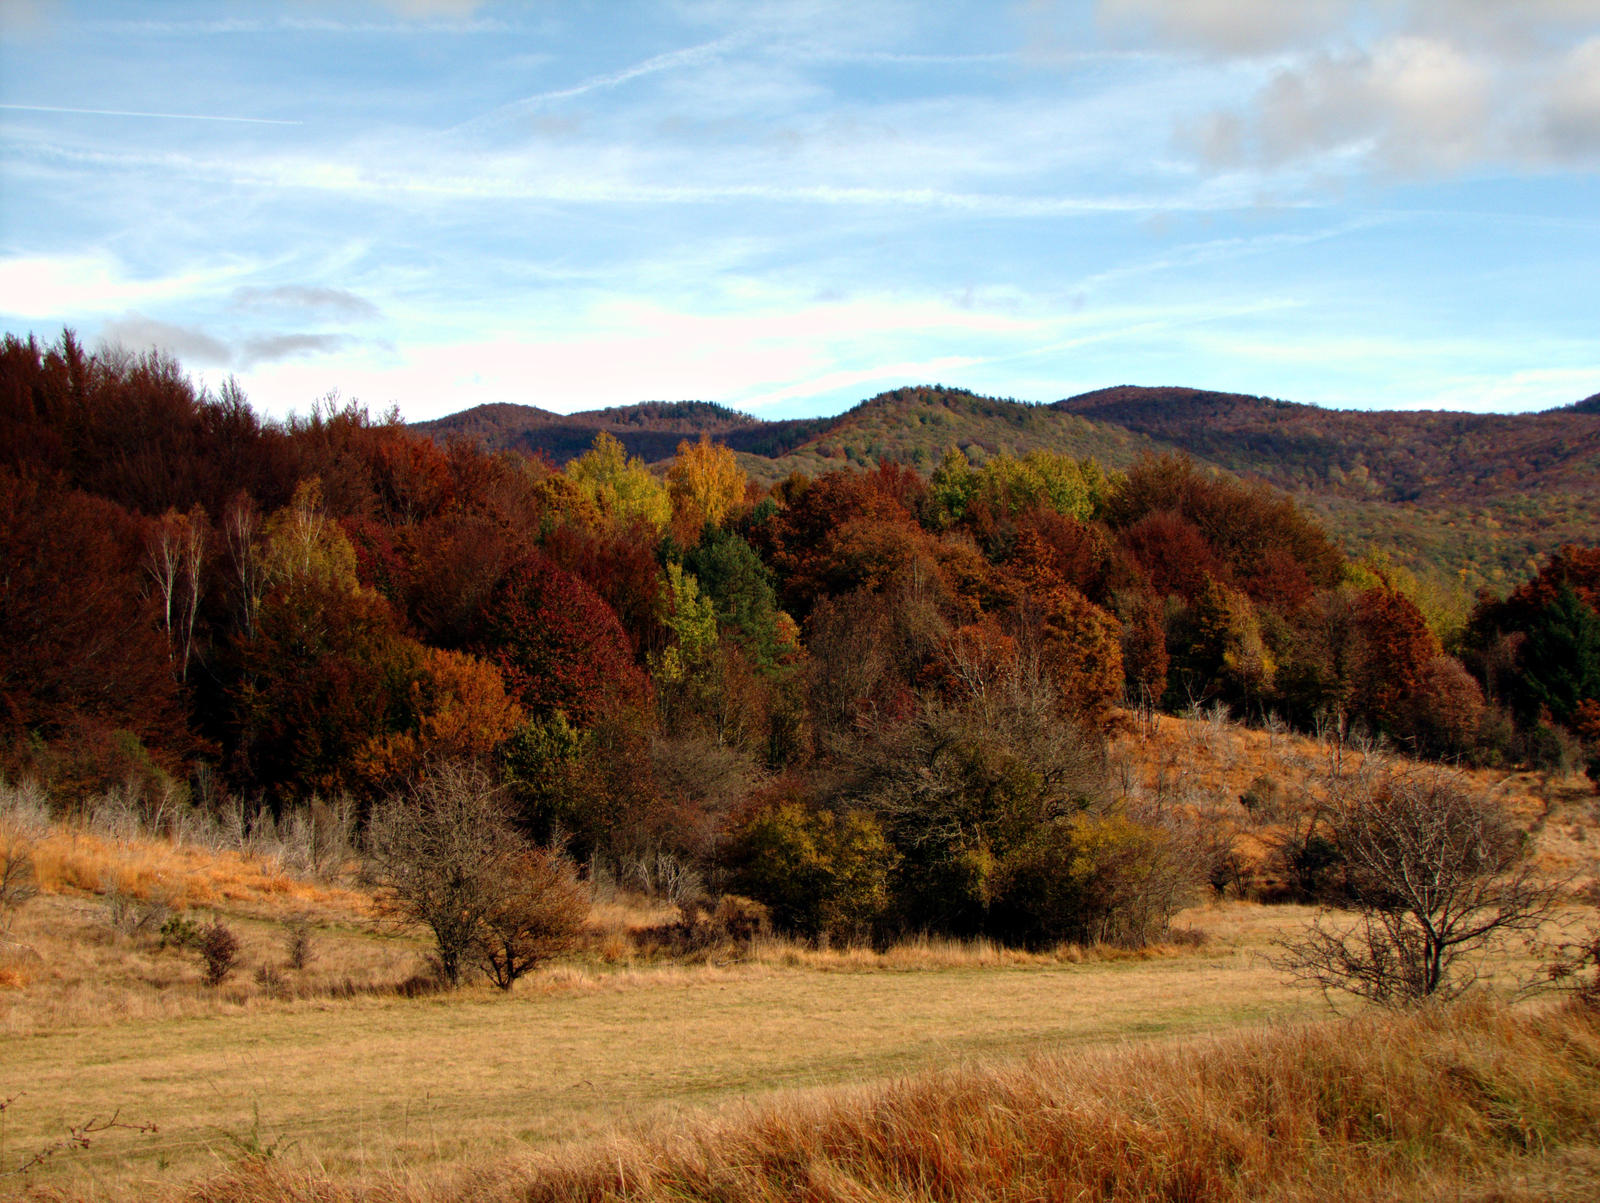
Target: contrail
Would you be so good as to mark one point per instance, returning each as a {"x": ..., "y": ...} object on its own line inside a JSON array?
[{"x": 52, "y": 108}]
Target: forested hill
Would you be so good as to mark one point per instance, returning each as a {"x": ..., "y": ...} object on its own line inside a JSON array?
[
  {"x": 1392, "y": 455},
  {"x": 651, "y": 430},
  {"x": 1476, "y": 497}
]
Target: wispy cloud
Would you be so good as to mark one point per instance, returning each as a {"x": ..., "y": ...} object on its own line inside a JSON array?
[
  {"x": 338, "y": 302},
  {"x": 198, "y": 347},
  {"x": 55, "y": 108},
  {"x": 673, "y": 60}
]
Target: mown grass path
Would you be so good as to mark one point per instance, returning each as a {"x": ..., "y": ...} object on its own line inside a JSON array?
[{"x": 380, "y": 1083}]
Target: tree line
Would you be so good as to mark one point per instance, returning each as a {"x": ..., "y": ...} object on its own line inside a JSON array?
[{"x": 875, "y": 700}]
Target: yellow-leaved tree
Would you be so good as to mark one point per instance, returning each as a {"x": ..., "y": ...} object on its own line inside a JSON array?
[
  {"x": 620, "y": 486},
  {"x": 705, "y": 484}
]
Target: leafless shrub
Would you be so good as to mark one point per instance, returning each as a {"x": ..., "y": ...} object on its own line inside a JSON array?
[
  {"x": 446, "y": 857},
  {"x": 731, "y": 927},
  {"x": 1575, "y": 969},
  {"x": 120, "y": 914},
  {"x": 1433, "y": 874},
  {"x": 665, "y": 874},
  {"x": 18, "y": 881},
  {"x": 219, "y": 952},
  {"x": 537, "y": 914},
  {"x": 298, "y": 952},
  {"x": 317, "y": 838},
  {"x": 272, "y": 983}
]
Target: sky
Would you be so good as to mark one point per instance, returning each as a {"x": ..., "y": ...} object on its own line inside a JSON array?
[{"x": 789, "y": 207}]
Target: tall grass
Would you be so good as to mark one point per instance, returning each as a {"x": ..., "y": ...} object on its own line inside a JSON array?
[{"x": 1475, "y": 1101}]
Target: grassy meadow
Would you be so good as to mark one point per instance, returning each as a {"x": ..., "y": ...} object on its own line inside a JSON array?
[{"x": 774, "y": 1071}]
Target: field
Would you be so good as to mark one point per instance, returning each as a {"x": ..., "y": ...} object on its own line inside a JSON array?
[
  {"x": 363, "y": 1083},
  {"x": 338, "y": 1073}
]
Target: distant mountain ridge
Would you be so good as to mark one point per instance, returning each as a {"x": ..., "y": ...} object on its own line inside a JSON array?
[
  {"x": 1476, "y": 495},
  {"x": 651, "y": 430}
]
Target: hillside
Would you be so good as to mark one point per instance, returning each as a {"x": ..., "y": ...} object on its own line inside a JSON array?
[
  {"x": 1476, "y": 494},
  {"x": 1476, "y": 498},
  {"x": 651, "y": 430}
]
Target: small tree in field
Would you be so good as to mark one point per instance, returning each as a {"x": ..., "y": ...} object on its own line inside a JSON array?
[
  {"x": 1434, "y": 874},
  {"x": 440, "y": 852},
  {"x": 538, "y": 914},
  {"x": 446, "y": 856}
]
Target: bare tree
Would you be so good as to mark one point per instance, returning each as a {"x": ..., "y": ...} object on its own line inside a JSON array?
[
  {"x": 174, "y": 555},
  {"x": 440, "y": 851},
  {"x": 447, "y": 857},
  {"x": 22, "y": 824},
  {"x": 18, "y": 881},
  {"x": 1434, "y": 875}
]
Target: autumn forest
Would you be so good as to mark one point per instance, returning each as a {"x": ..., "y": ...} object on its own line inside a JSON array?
[{"x": 874, "y": 699}]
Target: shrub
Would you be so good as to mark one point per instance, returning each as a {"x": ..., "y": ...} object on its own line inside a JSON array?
[
  {"x": 822, "y": 875},
  {"x": 439, "y": 852},
  {"x": 18, "y": 881},
  {"x": 219, "y": 953},
  {"x": 537, "y": 914},
  {"x": 178, "y": 932},
  {"x": 1434, "y": 874},
  {"x": 1092, "y": 879},
  {"x": 448, "y": 859},
  {"x": 732, "y": 925},
  {"x": 298, "y": 952}
]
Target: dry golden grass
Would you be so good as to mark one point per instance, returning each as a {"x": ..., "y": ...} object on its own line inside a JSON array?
[
  {"x": 1474, "y": 1102},
  {"x": 1209, "y": 765},
  {"x": 382, "y": 1083},
  {"x": 1427, "y": 1106},
  {"x": 71, "y": 860}
]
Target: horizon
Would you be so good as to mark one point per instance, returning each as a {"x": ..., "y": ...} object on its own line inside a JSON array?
[{"x": 788, "y": 209}]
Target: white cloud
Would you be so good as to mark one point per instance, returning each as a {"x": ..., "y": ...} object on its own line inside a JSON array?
[
  {"x": 1230, "y": 26},
  {"x": 73, "y": 287},
  {"x": 1414, "y": 86},
  {"x": 1417, "y": 103}
]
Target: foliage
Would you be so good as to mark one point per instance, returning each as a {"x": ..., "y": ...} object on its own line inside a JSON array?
[
  {"x": 1561, "y": 657},
  {"x": 821, "y": 875},
  {"x": 1092, "y": 878},
  {"x": 740, "y": 587},
  {"x": 621, "y": 487},
  {"x": 958, "y": 786},
  {"x": 705, "y": 485},
  {"x": 558, "y": 645}
]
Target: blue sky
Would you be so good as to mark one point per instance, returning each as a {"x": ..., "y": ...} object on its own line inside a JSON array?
[{"x": 788, "y": 207}]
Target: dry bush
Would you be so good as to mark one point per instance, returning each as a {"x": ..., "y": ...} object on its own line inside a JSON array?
[
  {"x": 729, "y": 928},
  {"x": 19, "y": 881},
  {"x": 1434, "y": 874},
  {"x": 447, "y": 858},
  {"x": 537, "y": 914},
  {"x": 298, "y": 951},
  {"x": 23, "y": 821},
  {"x": 219, "y": 951}
]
